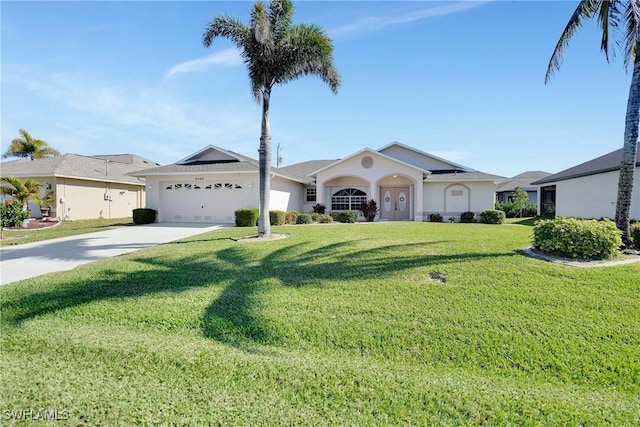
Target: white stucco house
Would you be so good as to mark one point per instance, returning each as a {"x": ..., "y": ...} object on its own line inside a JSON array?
[
  {"x": 407, "y": 183},
  {"x": 588, "y": 190}
]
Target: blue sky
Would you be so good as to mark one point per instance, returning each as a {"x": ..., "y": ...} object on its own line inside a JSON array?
[{"x": 462, "y": 80}]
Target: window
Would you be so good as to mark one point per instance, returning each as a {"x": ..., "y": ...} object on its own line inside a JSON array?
[
  {"x": 310, "y": 195},
  {"x": 348, "y": 199}
]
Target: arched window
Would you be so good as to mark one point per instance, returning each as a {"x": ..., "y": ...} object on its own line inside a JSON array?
[{"x": 348, "y": 199}]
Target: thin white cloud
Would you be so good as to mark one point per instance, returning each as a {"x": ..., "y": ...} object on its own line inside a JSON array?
[
  {"x": 225, "y": 58},
  {"x": 376, "y": 23}
]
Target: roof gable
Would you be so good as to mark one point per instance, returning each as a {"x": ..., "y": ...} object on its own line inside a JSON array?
[
  {"x": 421, "y": 159},
  {"x": 212, "y": 155},
  {"x": 607, "y": 163},
  {"x": 374, "y": 153}
]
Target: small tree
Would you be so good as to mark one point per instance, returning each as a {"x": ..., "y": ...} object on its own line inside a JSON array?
[
  {"x": 21, "y": 190},
  {"x": 369, "y": 210},
  {"x": 519, "y": 199}
]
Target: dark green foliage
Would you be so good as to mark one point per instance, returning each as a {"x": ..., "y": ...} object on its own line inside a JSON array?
[
  {"x": 369, "y": 210},
  {"x": 346, "y": 217},
  {"x": 530, "y": 209},
  {"x": 492, "y": 216},
  {"x": 635, "y": 234},
  {"x": 435, "y": 217},
  {"x": 291, "y": 217},
  {"x": 12, "y": 214},
  {"x": 247, "y": 217},
  {"x": 144, "y": 216},
  {"x": 324, "y": 219},
  {"x": 577, "y": 238},
  {"x": 304, "y": 218},
  {"x": 468, "y": 217},
  {"x": 319, "y": 208},
  {"x": 277, "y": 217}
]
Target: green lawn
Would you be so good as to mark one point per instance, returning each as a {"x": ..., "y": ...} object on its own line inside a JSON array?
[
  {"x": 63, "y": 229},
  {"x": 336, "y": 324}
]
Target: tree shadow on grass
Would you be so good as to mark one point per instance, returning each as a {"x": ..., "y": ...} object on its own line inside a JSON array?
[{"x": 235, "y": 317}]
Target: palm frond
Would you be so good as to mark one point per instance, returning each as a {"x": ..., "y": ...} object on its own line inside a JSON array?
[
  {"x": 306, "y": 49},
  {"x": 226, "y": 27},
  {"x": 280, "y": 16},
  {"x": 632, "y": 34},
  {"x": 261, "y": 26},
  {"x": 584, "y": 10}
]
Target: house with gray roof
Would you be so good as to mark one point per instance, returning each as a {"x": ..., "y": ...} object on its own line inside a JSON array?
[
  {"x": 504, "y": 191},
  {"x": 408, "y": 184},
  {"x": 85, "y": 187},
  {"x": 588, "y": 190}
]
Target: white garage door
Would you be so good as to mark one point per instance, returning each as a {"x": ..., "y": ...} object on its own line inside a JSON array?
[{"x": 202, "y": 201}]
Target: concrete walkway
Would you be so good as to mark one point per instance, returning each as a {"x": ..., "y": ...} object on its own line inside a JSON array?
[{"x": 33, "y": 259}]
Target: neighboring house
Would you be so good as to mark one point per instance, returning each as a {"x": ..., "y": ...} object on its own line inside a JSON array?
[
  {"x": 408, "y": 184},
  {"x": 588, "y": 190},
  {"x": 85, "y": 187},
  {"x": 504, "y": 192}
]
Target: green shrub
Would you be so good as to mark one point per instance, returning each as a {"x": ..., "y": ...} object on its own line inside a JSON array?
[
  {"x": 277, "y": 217},
  {"x": 325, "y": 219},
  {"x": 511, "y": 211},
  {"x": 319, "y": 208},
  {"x": 304, "y": 218},
  {"x": 468, "y": 217},
  {"x": 334, "y": 215},
  {"x": 635, "y": 234},
  {"x": 144, "y": 216},
  {"x": 435, "y": 217},
  {"x": 12, "y": 214},
  {"x": 577, "y": 238},
  {"x": 492, "y": 216},
  {"x": 247, "y": 217},
  {"x": 291, "y": 217},
  {"x": 315, "y": 217},
  {"x": 346, "y": 216}
]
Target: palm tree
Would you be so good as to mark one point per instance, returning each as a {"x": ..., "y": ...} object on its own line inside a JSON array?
[
  {"x": 20, "y": 190},
  {"x": 26, "y": 146},
  {"x": 275, "y": 52},
  {"x": 623, "y": 16}
]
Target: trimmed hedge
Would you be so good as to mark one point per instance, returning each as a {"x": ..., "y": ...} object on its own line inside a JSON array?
[
  {"x": 247, "y": 217},
  {"x": 577, "y": 238},
  {"x": 304, "y": 218},
  {"x": 468, "y": 217},
  {"x": 277, "y": 217},
  {"x": 435, "y": 217},
  {"x": 144, "y": 216},
  {"x": 635, "y": 234},
  {"x": 324, "y": 219},
  {"x": 345, "y": 216},
  {"x": 492, "y": 216},
  {"x": 291, "y": 217}
]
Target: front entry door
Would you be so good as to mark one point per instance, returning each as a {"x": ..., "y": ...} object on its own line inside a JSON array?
[{"x": 395, "y": 203}]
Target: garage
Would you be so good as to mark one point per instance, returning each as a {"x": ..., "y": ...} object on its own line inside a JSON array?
[{"x": 213, "y": 201}]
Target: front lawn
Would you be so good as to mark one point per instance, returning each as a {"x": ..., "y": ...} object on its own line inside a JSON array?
[
  {"x": 63, "y": 229},
  {"x": 336, "y": 324}
]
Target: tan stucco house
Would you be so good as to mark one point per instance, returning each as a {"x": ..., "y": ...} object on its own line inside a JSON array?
[
  {"x": 588, "y": 190},
  {"x": 85, "y": 187},
  {"x": 407, "y": 183}
]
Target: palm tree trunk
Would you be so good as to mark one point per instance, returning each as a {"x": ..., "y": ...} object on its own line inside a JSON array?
[
  {"x": 629, "y": 153},
  {"x": 264, "y": 162}
]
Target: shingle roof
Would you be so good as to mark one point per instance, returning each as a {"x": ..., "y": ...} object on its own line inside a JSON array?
[
  {"x": 304, "y": 169},
  {"x": 607, "y": 163},
  {"x": 76, "y": 166},
  {"x": 199, "y": 168},
  {"x": 464, "y": 176},
  {"x": 523, "y": 181}
]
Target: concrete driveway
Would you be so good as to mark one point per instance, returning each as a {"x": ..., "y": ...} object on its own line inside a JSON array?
[{"x": 33, "y": 259}]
